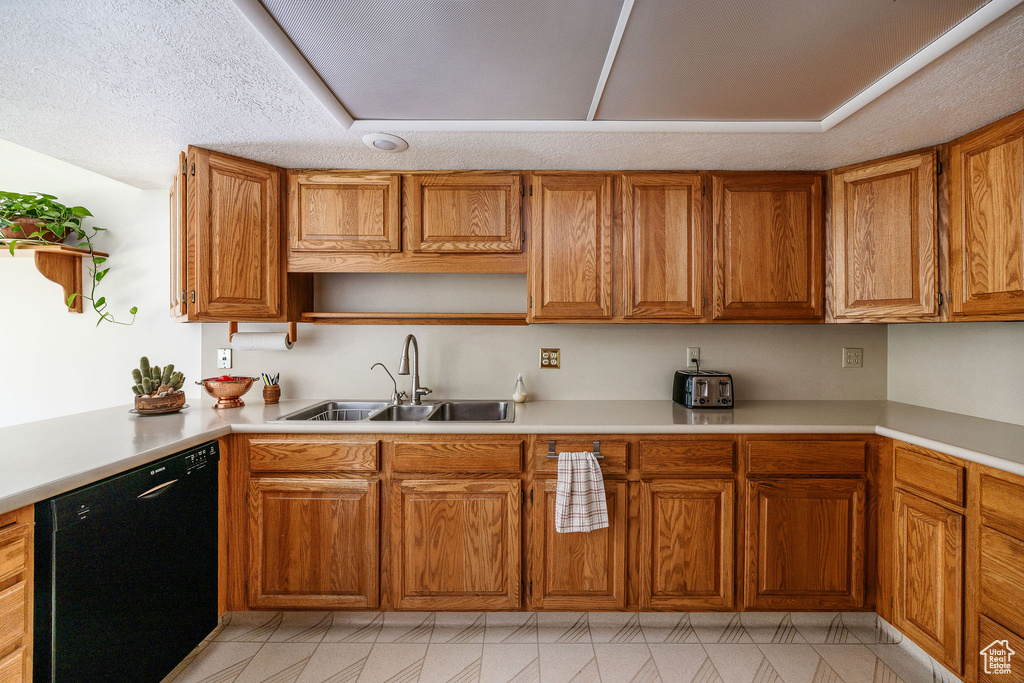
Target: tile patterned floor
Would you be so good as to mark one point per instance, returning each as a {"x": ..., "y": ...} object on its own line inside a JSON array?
[{"x": 468, "y": 647}]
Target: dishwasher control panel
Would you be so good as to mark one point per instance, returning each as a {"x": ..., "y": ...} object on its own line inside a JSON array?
[{"x": 200, "y": 458}]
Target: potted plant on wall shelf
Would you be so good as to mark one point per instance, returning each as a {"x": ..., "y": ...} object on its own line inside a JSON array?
[{"x": 39, "y": 219}]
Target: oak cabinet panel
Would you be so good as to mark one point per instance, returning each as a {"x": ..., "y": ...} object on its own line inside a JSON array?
[
  {"x": 806, "y": 456},
  {"x": 236, "y": 270},
  {"x": 14, "y": 667},
  {"x": 344, "y": 211},
  {"x": 456, "y": 544},
  {"x": 1002, "y": 578},
  {"x": 989, "y": 632},
  {"x": 313, "y": 543},
  {"x": 884, "y": 241},
  {"x": 578, "y": 571},
  {"x": 769, "y": 244},
  {"x": 16, "y": 593},
  {"x": 987, "y": 222},
  {"x": 315, "y": 454},
  {"x": 929, "y": 576},
  {"x": 805, "y": 544},
  {"x": 686, "y": 545},
  {"x": 570, "y": 271},
  {"x": 464, "y": 212},
  {"x": 179, "y": 241},
  {"x": 13, "y": 615},
  {"x": 936, "y": 480},
  {"x": 663, "y": 246},
  {"x": 706, "y": 455}
]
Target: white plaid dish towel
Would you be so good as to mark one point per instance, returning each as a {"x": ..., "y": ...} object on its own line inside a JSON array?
[{"x": 579, "y": 496}]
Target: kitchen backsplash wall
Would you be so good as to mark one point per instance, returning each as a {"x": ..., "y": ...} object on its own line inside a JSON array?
[
  {"x": 971, "y": 368},
  {"x": 598, "y": 361},
  {"x": 57, "y": 363}
]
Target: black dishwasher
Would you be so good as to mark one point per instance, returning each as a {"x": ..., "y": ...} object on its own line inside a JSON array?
[{"x": 126, "y": 572}]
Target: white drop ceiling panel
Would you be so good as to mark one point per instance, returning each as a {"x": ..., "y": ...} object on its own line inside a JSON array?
[
  {"x": 743, "y": 60},
  {"x": 454, "y": 59}
]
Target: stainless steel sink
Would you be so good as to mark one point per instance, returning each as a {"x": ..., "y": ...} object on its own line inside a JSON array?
[
  {"x": 472, "y": 411},
  {"x": 336, "y": 411},
  {"x": 402, "y": 413}
]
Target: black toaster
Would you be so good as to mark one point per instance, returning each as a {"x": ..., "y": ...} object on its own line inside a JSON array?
[{"x": 703, "y": 389}]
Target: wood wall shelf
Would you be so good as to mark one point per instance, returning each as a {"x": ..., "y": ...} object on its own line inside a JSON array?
[
  {"x": 58, "y": 263},
  {"x": 414, "y": 318}
]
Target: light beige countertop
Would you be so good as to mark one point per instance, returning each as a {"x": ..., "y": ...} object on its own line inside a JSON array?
[{"x": 49, "y": 457}]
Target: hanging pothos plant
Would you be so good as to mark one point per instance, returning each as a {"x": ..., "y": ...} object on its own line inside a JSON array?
[{"x": 38, "y": 218}]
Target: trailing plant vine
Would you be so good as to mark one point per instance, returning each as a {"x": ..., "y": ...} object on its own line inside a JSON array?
[{"x": 52, "y": 222}]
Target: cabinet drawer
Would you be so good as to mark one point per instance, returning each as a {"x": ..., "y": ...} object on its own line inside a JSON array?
[
  {"x": 313, "y": 455},
  {"x": 14, "y": 667},
  {"x": 13, "y": 550},
  {"x": 613, "y": 454},
  {"x": 459, "y": 456},
  {"x": 687, "y": 456},
  {"x": 934, "y": 479},
  {"x": 806, "y": 457},
  {"x": 13, "y": 608},
  {"x": 1001, "y": 506},
  {"x": 1002, "y": 578},
  {"x": 989, "y": 632}
]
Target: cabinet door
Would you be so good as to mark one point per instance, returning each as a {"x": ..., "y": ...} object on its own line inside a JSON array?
[
  {"x": 344, "y": 211},
  {"x": 179, "y": 241},
  {"x": 986, "y": 222},
  {"x": 929, "y": 577},
  {"x": 769, "y": 244},
  {"x": 570, "y": 269},
  {"x": 686, "y": 545},
  {"x": 313, "y": 543},
  {"x": 884, "y": 254},
  {"x": 805, "y": 544},
  {"x": 464, "y": 212},
  {"x": 234, "y": 219},
  {"x": 456, "y": 544},
  {"x": 662, "y": 246},
  {"x": 578, "y": 571},
  {"x": 14, "y": 667}
]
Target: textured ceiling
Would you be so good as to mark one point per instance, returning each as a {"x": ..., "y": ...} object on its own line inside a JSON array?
[
  {"x": 119, "y": 87},
  {"x": 454, "y": 59},
  {"x": 798, "y": 60}
]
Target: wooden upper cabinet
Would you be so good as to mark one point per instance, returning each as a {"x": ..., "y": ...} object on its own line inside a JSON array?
[
  {"x": 179, "y": 241},
  {"x": 768, "y": 245},
  {"x": 570, "y": 272},
  {"x": 469, "y": 212},
  {"x": 986, "y": 222},
  {"x": 344, "y": 211},
  {"x": 456, "y": 544},
  {"x": 235, "y": 264},
  {"x": 883, "y": 260},
  {"x": 313, "y": 543},
  {"x": 662, "y": 246},
  {"x": 806, "y": 544},
  {"x": 686, "y": 545}
]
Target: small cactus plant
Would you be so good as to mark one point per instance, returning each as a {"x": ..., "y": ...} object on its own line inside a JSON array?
[{"x": 154, "y": 381}]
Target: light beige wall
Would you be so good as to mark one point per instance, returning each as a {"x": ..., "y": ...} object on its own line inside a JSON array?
[
  {"x": 970, "y": 368},
  {"x": 598, "y": 361},
  {"x": 58, "y": 363}
]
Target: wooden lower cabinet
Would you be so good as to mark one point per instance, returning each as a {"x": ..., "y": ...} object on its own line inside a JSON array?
[
  {"x": 456, "y": 544},
  {"x": 805, "y": 544},
  {"x": 313, "y": 543},
  {"x": 686, "y": 545},
  {"x": 578, "y": 571},
  {"x": 929, "y": 551},
  {"x": 14, "y": 667},
  {"x": 16, "y": 578}
]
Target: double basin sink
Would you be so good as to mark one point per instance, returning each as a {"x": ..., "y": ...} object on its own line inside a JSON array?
[{"x": 429, "y": 411}]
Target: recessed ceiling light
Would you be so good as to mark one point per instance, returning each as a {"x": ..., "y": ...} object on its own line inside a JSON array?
[{"x": 382, "y": 142}]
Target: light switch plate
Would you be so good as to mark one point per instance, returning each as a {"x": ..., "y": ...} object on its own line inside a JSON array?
[
  {"x": 223, "y": 359},
  {"x": 550, "y": 359},
  {"x": 853, "y": 357}
]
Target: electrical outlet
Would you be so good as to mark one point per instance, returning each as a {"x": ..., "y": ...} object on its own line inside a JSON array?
[
  {"x": 550, "y": 359},
  {"x": 853, "y": 358},
  {"x": 692, "y": 356},
  {"x": 223, "y": 359}
]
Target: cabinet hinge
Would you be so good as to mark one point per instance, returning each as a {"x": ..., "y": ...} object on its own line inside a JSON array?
[
  {"x": 531, "y": 588},
  {"x": 531, "y": 189},
  {"x": 193, "y": 168},
  {"x": 522, "y": 497},
  {"x": 184, "y": 167},
  {"x": 531, "y": 496},
  {"x": 949, "y": 296},
  {"x": 938, "y": 168},
  {"x": 940, "y": 297},
  {"x": 703, "y": 190},
  {"x": 531, "y": 302},
  {"x": 522, "y": 190},
  {"x": 193, "y": 296},
  {"x": 524, "y": 237}
]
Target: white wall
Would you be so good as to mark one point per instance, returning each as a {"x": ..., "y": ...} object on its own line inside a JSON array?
[
  {"x": 55, "y": 362},
  {"x": 970, "y": 368}
]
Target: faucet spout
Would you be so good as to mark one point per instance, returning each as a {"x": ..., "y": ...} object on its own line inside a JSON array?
[{"x": 403, "y": 368}]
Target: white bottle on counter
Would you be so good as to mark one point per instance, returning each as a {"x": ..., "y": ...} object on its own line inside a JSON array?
[{"x": 519, "y": 393}]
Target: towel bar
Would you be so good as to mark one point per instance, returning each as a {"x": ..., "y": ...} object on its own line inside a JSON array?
[{"x": 552, "y": 454}]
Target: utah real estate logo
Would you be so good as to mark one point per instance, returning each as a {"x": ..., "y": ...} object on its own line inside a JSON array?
[{"x": 997, "y": 657}]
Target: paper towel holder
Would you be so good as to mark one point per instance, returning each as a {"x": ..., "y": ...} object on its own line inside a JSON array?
[{"x": 293, "y": 331}]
